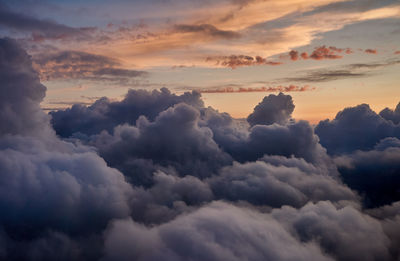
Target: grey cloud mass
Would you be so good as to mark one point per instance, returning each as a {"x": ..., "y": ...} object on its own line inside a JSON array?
[{"x": 158, "y": 176}]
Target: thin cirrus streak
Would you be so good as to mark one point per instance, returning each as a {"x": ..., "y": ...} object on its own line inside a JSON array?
[{"x": 289, "y": 88}]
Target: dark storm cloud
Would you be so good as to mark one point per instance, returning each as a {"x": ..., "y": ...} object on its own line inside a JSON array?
[
  {"x": 40, "y": 29},
  {"x": 216, "y": 232},
  {"x": 391, "y": 115},
  {"x": 374, "y": 174},
  {"x": 283, "y": 196},
  {"x": 273, "y": 109},
  {"x": 174, "y": 139},
  {"x": 105, "y": 115},
  {"x": 207, "y": 30},
  {"x": 81, "y": 65},
  {"x": 355, "y": 128},
  {"x": 260, "y": 183},
  {"x": 46, "y": 184},
  {"x": 334, "y": 229},
  {"x": 20, "y": 92}
]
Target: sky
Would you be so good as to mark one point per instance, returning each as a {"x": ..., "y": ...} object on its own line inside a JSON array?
[
  {"x": 234, "y": 52},
  {"x": 199, "y": 130}
]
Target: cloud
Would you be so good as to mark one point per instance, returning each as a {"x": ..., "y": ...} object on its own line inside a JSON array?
[
  {"x": 320, "y": 53},
  {"x": 326, "y": 75},
  {"x": 20, "y": 93},
  {"x": 40, "y": 29},
  {"x": 324, "y": 224},
  {"x": 193, "y": 151},
  {"x": 374, "y": 173},
  {"x": 81, "y": 65},
  {"x": 50, "y": 189},
  {"x": 323, "y": 52},
  {"x": 104, "y": 114},
  {"x": 294, "y": 55},
  {"x": 354, "y": 70},
  {"x": 290, "y": 88},
  {"x": 273, "y": 109},
  {"x": 371, "y": 51},
  {"x": 234, "y": 61},
  {"x": 215, "y": 232},
  {"x": 143, "y": 178},
  {"x": 206, "y": 29},
  {"x": 355, "y": 128},
  {"x": 391, "y": 115},
  {"x": 261, "y": 183}
]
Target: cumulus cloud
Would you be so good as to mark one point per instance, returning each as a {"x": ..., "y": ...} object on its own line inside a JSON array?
[
  {"x": 47, "y": 185},
  {"x": 261, "y": 183},
  {"x": 216, "y": 232},
  {"x": 375, "y": 174},
  {"x": 174, "y": 139},
  {"x": 391, "y": 115},
  {"x": 105, "y": 114},
  {"x": 20, "y": 93},
  {"x": 273, "y": 109},
  {"x": 335, "y": 229},
  {"x": 355, "y": 128},
  {"x": 159, "y": 176}
]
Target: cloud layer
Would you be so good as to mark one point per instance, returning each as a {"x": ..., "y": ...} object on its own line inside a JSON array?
[{"x": 159, "y": 176}]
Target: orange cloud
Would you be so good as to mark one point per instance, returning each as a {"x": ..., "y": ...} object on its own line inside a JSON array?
[
  {"x": 234, "y": 61},
  {"x": 320, "y": 53},
  {"x": 280, "y": 88},
  {"x": 294, "y": 55},
  {"x": 371, "y": 51},
  {"x": 397, "y": 52}
]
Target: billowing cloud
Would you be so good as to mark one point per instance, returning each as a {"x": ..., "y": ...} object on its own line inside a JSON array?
[
  {"x": 50, "y": 189},
  {"x": 165, "y": 178},
  {"x": 105, "y": 114},
  {"x": 355, "y": 128},
  {"x": 391, "y": 115},
  {"x": 375, "y": 173},
  {"x": 273, "y": 109},
  {"x": 216, "y": 232}
]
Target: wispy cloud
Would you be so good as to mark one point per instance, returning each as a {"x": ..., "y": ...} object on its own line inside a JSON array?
[
  {"x": 280, "y": 88},
  {"x": 38, "y": 28},
  {"x": 326, "y": 75},
  {"x": 354, "y": 70},
  {"x": 206, "y": 29},
  {"x": 234, "y": 61},
  {"x": 81, "y": 65}
]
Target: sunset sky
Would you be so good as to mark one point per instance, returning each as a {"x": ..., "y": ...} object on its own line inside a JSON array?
[
  {"x": 328, "y": 54},
  {"x": 201, "y": 130}
]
